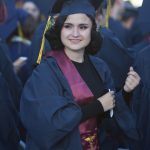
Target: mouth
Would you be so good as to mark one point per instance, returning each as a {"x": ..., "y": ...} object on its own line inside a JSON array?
[{"x": 74, "y": 41}]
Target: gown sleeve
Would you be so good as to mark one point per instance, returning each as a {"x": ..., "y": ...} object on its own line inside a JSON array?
[
  {"x": 123, "y": 117},
  {"x": 46, "y": 113}
]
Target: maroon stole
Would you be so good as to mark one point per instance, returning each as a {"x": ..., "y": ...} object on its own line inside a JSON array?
[{"x": 82, "y": 95}]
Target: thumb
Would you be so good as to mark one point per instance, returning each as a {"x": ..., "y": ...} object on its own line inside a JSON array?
[{"x": 131, "y": 68}]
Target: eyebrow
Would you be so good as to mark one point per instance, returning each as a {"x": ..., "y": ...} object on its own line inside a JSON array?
[{"x": 79, "y": 24}]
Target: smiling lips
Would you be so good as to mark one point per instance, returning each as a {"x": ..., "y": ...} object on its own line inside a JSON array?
[{"x": 74, "y": 41}]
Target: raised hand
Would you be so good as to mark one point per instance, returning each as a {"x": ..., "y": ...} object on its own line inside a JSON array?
[{"x": 132, "y": 80}]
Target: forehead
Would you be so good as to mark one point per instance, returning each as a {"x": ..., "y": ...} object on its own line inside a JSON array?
[{"x": 78, "y": 18}]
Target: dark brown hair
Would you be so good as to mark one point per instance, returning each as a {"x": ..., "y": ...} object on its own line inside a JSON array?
[{"x": 53, "y": 36}]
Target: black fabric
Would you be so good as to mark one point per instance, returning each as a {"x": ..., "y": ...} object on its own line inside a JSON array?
[
  {"x": 94, "y": 82},
  {"x": 9, "y": 134},
  {"x": 116, "y": 56},
  {"x": 6, "y": 69},
  {"x": 91, "y": 109},
  {"x": 127, "y": 96}
]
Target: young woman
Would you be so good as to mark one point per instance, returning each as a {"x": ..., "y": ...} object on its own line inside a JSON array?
[{"x": 69, "y": 90}]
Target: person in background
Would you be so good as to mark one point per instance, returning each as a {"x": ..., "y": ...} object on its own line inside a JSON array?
[
  {"x": 117, "y": 8},
  {"x": 9, "y": 96},
  {"x": 129, "y": 15},
  {"x": 129, "y": 19},
  {"x": 20, "y": 27},
  {"x": 6, "y": 67},
  {"x": 33, "y": 10},
  {"x": 141, "y": 96},
  {"x": 9, "y": 133}
]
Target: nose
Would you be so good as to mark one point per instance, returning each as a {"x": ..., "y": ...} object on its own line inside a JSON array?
[{"x": 75, "y": 32}]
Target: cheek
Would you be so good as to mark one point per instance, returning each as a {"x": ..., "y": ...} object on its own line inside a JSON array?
[
  {"x": 88, "y": 37},
  {"x": 64, "y": 34}
]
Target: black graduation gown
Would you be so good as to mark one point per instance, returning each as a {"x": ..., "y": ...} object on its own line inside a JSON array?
[
  {"x": 50, "y": 114},
  {"x": 116, "y": 57},
  {"x": 9, "y": 135},
  {"x": 141, "y": 98},
  {"x": 8, "y": 73}
]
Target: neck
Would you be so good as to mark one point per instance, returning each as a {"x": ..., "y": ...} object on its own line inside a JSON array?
[{"x": 77, "y": 56}]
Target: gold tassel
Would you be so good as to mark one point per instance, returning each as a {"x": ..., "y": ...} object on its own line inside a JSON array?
[
  {"x": 48, "y": 25},
  {"x": 20, "y": 32},
  {"x": 108, "y": 13}
]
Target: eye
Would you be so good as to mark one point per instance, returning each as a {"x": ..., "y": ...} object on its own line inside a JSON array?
[
  {"x": 67, "y": 26},
  {"x": 83, "y": 27}
]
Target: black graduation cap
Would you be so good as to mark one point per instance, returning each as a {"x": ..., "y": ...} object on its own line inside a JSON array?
[
  {"x": 144, "y": 19},
  {"x": 67, "y": 7},
  {"x": 129, "y": 10}
]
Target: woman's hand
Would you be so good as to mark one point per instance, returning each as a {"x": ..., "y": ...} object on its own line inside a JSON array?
[
  {"x": 132, "y": 81},
  {"x": 107, "y": 100}
]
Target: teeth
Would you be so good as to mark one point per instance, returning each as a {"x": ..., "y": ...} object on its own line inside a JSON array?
[{"x": 75, "y": 40}]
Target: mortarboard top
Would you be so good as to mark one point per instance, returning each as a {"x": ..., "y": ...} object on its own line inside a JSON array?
[
  {"x": 68, "y": 7},
  {"x": 144, "y": 19}
]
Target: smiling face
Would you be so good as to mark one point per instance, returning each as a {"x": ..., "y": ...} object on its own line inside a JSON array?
[{"x": 76, "y": 32}]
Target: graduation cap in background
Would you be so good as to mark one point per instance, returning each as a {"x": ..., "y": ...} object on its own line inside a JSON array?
[
  {"x": 129, "y": 10},
  {"x": 13, "y": 17},
  {"x": 68, "y": 7},
  {"x": 144, "y": 19}
]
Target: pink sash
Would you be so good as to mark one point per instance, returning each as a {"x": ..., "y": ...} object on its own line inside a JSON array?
[{"x": 82, "y": 95}]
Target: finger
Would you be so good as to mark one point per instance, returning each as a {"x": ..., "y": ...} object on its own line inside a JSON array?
[
  {"x": 112, "y": 96},
  {"x": 129, "y": 79},
  {"x": 128, "y": 85},
  {"x": 135, "y": 74},
  {"x": 132, "y": 79},
  {"x": 132, "y": 73},
  {"x": 112, "y": 92},
  {"x": 131, "y": 68}
]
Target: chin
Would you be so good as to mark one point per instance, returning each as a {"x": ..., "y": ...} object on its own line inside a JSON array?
[{"x": 76, "y": 48}]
